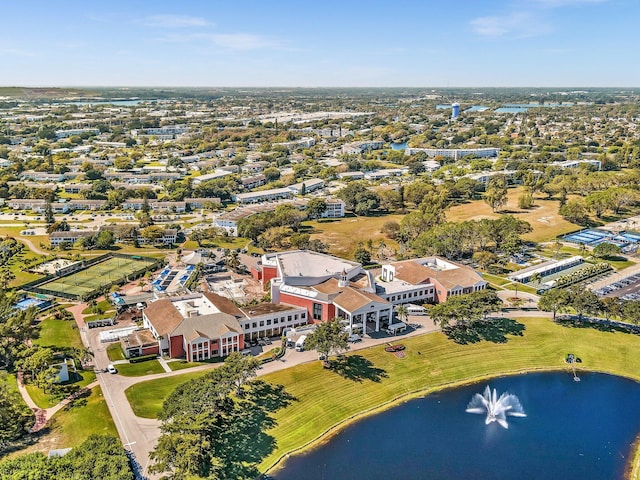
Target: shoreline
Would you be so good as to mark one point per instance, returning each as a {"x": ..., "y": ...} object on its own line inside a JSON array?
[{"x": 632, "y": 468}]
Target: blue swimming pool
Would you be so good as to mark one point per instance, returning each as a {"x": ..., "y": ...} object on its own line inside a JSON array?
[{"x": 27, "y": 302}]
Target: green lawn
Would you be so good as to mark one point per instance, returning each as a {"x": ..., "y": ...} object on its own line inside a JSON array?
[
  {"x": 105, "y": 305},
  {"x": 495, "y": 280},
  {"x": 47, "y": 400},
  {"x": 85, "y": 417},
  {"x": 139, "y": 369},
  {"x": 146, "y": 397},
  {"x": 59, "y": 334},
  {"x": 114, "y": 352},
  {"x": 326, "y": 399}
]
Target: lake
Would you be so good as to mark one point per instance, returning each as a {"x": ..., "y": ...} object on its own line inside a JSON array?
[{"x": 573, "y": 430}]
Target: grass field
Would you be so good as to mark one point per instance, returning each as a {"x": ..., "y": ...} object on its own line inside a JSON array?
[
  {"x": 343, "y": 235},
  {"x": 139, "y": 369},
  {"x": 545, "y": 221},
  {"x": 372, "y": 378},
  {"x": 146, "y": 397},
  {"x": 46, "y": 400},
  {"x": 114, "y": 352},
  {"x": 73, "y": 425},
  {"x": 59, "y": 334},
  {"x": 86, "y": 281}
]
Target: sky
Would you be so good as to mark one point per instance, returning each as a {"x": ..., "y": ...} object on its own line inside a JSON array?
[{"x": 327, "y": 43}]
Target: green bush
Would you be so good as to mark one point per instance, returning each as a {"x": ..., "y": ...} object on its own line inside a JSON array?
[{"x": 143, "y": 358}]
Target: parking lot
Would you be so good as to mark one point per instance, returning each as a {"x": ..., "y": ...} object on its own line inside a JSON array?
[{"x": 627, "y": 288}]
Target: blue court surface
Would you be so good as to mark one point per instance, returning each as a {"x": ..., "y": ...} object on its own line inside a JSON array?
[{"x": 593, "y": 237}]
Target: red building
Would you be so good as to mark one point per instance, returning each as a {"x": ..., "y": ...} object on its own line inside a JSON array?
[{"x": 196, "y": 326}]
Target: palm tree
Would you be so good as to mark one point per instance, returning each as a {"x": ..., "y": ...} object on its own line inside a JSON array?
[
  {"x": 402, "y": 312},
  {"x": 536, "y": 278}
]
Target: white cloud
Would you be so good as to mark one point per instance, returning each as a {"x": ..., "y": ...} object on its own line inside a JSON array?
[
  {"x": 174, "y": 21},
  {"x": 16, "y": 52},
  {"x": 518, "y": 24},
  {"x": 242, "y": 41},
  {"x": 226, "y": 41}
]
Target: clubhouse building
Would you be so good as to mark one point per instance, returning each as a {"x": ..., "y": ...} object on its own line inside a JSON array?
[
  {"x": 306, "y": 287},
  {"x": 328, "y": 286}
]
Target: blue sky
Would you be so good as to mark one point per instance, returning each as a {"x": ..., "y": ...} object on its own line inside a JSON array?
[{"x": 321, "y": 43}]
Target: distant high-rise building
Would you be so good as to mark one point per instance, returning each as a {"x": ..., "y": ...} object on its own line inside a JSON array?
[{"x": 455, "y": 110}]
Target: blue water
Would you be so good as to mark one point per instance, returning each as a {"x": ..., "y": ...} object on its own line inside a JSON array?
[
  {"x": 399, "y": 146},
  {"x": 29, "y": 302},
  {"x": 476, "y": 108},
  {"x": 573, "y": 430},
  {"x": 511, "y": 109},
  {"x": 126, "y": 103}
]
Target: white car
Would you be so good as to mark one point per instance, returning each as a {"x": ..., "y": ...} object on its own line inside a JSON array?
[
  {"x": 111, "y": 368},
  {"x": 353, "y": 338}
]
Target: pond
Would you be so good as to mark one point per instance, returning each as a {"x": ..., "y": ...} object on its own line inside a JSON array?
[{"x": 572, "y": 430}]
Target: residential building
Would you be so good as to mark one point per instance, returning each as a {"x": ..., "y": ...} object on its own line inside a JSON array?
[
  {"x": 361, "y": 147},
  {"x": 307, "y": 186},
  {"x": 454, "y": 153},
  {"x": 263, "y": 196},
  {"x": 76, "y": 131},
  {"x": 71, "y": 237}
]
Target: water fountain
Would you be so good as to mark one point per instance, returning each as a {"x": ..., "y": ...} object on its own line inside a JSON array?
[{"x": 496, "y": 408}]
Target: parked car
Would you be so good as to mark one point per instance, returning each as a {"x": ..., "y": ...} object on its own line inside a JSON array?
[
  {"x": 111, "y": 369},
  {"x": 353, "y": 338}
]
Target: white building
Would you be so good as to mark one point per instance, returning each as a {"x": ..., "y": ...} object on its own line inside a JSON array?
[{"x": 454, "y": 153}]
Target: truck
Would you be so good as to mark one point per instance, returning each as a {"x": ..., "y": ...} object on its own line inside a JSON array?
[{"x": 300, "y": 343}]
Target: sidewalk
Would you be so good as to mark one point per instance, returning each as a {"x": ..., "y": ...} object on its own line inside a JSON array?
[{"x": 43, "y": 415}]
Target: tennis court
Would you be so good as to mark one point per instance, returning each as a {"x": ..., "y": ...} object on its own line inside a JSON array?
[
  {"x": 593, "y": 237},
  {"x": 111, "y": 270}
]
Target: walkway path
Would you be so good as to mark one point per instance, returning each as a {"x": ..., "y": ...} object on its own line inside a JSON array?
[
  {"x": 43, "y": 415},
  {"x": 32, "y": 246}
]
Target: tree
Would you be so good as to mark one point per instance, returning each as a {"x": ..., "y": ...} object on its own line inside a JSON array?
[
  {"x": 359, "y": 199},
  {"x": 484, "y": 258},
  {"x": 496, "y": 193},
  {"x": 241, "y": 369},
  {"x": 209, "y": 433},
  {"x": 610, "y": 307},
  {"x": 329, "y": 337},
  {"x": 584, "y": 301},
  {"x": 362, "y": 255},
  {"x": 15, "y": 417},
  {"x": 402, "y": 312},
  {"x": 97, "y": 457},
  {"x": 631, "y": 311},
  {"x": 606, "y": 250},
  {"x": 575, "y": 211},
  {"x": 48, "y": 213},
  {"x": 316, "y": 207},
  {"x": 525, "y": 201},
  {"x": 105, "y": 239},
  {"x": 232, "y": 259},
  {"x": 152, "y": 233},
  {"x": 555, "y": 300}
]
